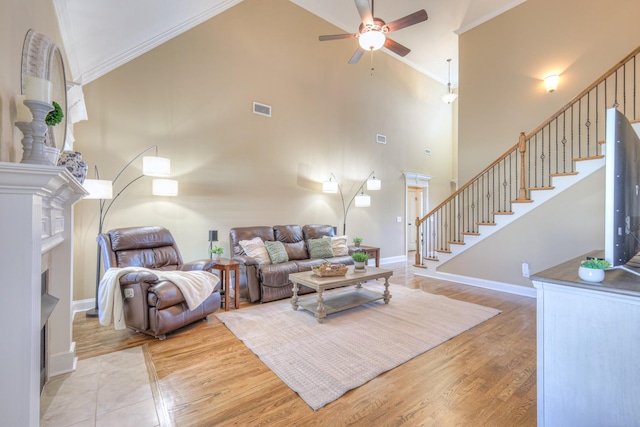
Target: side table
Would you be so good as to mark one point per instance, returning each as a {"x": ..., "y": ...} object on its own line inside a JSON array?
[
  {"x": 372, "y": 251},
  {"x": 224, "y": 266}
]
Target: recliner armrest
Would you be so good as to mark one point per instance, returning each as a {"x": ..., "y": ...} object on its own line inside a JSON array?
[
  {"x": 131, "y": 278},
  {"x": 201, "y": 264},
  {"x": 246, "y": 260}
]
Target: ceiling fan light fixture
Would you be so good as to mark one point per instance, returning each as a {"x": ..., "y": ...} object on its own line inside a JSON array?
[{"x": 372, "y": 40}]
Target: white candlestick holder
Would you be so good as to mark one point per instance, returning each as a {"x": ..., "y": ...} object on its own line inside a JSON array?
[
  {"x": 27, "y": 139},
  {"x": 39, "y": 110}
]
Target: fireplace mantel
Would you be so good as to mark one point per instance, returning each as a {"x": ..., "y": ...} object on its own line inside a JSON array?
[{"x": 36, "y": 217}]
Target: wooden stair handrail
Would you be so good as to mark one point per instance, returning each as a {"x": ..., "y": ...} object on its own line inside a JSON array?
[
  {"x": 471, "y": 181},
  {"x": 573, "y": 101}
]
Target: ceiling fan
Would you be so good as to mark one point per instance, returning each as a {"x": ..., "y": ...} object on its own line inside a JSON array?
[{"x": 373, "y": 31}]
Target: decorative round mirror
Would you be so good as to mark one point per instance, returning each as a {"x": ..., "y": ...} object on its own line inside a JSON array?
[{"x": 42, "y": 58}]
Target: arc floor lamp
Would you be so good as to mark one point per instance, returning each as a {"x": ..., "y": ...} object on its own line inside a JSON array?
[
  {"x": 102, "y": 189},
  {"x": 361, "y": 199}
]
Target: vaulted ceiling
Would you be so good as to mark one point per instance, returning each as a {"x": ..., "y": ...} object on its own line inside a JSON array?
[{"x": 101, "y": 35}]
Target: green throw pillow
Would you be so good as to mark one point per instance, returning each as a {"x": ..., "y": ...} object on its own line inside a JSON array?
[
  {"x": 320, "y": 248},
  {"x": 277, "y": 252}
]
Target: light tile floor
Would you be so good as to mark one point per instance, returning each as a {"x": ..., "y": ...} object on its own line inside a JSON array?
[{"x": 108, "y": 390}]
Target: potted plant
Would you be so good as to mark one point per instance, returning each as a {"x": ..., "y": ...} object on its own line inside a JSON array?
[
  {"x": 357, "y": 241},
  {"x": 592, "y": 270},
  {"x": 216, "y": 252},
  {"x": 360, "y": 260}
]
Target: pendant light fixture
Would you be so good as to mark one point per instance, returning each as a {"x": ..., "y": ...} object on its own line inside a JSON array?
[{"x": 449, "y": 97}]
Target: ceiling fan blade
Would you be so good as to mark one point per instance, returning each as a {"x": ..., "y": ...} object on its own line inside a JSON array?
[
  {"x": 408, "y": 20},
  {"x": 365, "y": 11},
  {"x": 356, "y": 56},
  {"x": 396, "y": 47},
  {"x": 336, "y": 37}
]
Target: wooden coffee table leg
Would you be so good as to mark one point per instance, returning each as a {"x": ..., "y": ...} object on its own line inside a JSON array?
[
  {"x": 294, "y": 299},
  {"x": 321, "y": 311},
  {"x": 387, "y": 295}
]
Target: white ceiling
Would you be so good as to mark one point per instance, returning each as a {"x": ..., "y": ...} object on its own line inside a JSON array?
[{"x": 101, "y": 35}]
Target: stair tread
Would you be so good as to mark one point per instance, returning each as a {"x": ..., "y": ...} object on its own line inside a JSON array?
[
  {"x": 564, "y": 174},
  {"x": 522, "y": 201},
  {"x": 455, "y": 242},
  {"x": 431, "y": 259},
  {"x": 470, "y": 233},
  {"x": 503, "y": 213},
  {"x": 541, "y": 188},
  {"x": 444, "y": 251},
  {"x": 485, "y": 223},
  {"x": 581, "y": 159}
]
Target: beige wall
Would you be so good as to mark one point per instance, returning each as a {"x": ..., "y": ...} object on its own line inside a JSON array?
[
  {"x": 503, "y": 63},
  {"x": 570, "y": 225},
  {"x": 502, "y": 66},
  {"x": 16, "y": 18},
  {"x": 193, "y": 97}
]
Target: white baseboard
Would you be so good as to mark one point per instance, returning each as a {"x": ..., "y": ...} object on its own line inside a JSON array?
[
  {"x": 83, "y": 305},
  {"x": 63, "y": 363},
  {"x": 480, "y": 283},
  {"x": 390, "y": 260}
]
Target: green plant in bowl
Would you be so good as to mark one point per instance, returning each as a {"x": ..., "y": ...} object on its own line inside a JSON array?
[
  {"x": 360, "y": 256},
  {"x": 596, "y": 263}
]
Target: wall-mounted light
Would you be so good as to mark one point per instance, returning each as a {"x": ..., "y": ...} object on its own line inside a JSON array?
[{"x": 551, "y": 82}]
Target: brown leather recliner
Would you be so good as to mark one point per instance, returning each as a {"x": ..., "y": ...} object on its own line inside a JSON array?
[{"x": 157, "y": 306}]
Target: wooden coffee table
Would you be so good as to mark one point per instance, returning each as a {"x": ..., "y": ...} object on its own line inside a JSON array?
[{"x": 338, "y": 301}]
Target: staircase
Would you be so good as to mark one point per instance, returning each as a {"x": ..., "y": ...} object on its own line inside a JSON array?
[{"x": 566, "y": 148}]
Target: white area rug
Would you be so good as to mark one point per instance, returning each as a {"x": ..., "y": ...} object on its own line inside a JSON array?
[{"x": 321, "y": 362}]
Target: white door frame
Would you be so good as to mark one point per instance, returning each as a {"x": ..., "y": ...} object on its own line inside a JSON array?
[{"x": 413, "y": 179}]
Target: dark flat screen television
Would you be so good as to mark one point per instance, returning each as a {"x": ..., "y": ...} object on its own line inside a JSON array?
[{"x": 622, "y": 193}]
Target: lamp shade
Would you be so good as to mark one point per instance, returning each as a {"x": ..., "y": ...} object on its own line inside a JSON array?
[
  {"x": 156, "y": 166},
  {"x": 164, "y": 187},
  {"x": 362, "y": 201},
  {"x": 98, "y": 188},
  {"x": 449, "y": 97},
  {"x": 330, "y": 186},
  {"x": 551, "y": 82},
  {"x": 372, "y": 40},
  {"x": 374, "y": 184}
]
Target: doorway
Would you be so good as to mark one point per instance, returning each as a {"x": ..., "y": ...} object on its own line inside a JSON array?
[{"x": 416, "y": 206}]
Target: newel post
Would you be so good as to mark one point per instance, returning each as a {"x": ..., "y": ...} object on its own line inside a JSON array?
[{"x": 522, "y": 147}]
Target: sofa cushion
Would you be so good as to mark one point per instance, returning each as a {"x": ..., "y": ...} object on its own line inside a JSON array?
[
  {"x": 296, "y": 250},
  {"x": 320, "y": 248},
  {"x": 277, "y": 252},
  {"x": 255, "y": 249},
  {"x": 308, "y": 264},
  {"x": 277, "y": 275},
  {"x": 316, "y": 231},
  {"x": 339, "y": 245},
  {"x": 288, "y": 233}
]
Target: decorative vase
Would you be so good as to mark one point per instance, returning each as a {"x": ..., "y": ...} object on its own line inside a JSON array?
[
  {"x": 356, "y": 244},
  {"x": 72, "y": 160},
  {"x": 360, "y": 265},
  {"x": 216, "y": 257},
  {"x": 594, "y": 275}
]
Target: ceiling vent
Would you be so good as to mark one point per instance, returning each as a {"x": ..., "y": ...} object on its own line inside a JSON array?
[
  {"x": 262, "y": 109},
  {"x": 381, "y": 139}
]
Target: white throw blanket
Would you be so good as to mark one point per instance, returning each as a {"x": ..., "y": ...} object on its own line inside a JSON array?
[{"x": 196, "y": 286}]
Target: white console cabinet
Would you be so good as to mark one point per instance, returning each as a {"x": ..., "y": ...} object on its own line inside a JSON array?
[{"x": 588, "y": 339}]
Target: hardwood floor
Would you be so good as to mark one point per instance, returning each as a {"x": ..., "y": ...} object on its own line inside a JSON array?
[{"x": 483, "y": 377}]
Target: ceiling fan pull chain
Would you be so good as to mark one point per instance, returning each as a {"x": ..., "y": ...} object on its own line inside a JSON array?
[{"x": 371, "y": 62}]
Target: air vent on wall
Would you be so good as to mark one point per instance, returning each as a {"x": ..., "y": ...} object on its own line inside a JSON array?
[
  {"x": 381, "y": 139},
  {"x": 262, "y": 109}
]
